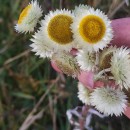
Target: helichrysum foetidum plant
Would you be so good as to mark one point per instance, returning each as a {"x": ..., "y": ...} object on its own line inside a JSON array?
[{"x": 89, "y": 31}]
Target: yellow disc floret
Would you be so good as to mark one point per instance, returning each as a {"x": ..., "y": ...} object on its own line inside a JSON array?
[
  {"x": 24, "y": 13},
  {"x": 92, "y": 29},
  {"x": 59, "y": 29}
]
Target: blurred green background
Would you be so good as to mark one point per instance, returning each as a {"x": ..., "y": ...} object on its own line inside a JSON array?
[{"x": 27, "y": 81}]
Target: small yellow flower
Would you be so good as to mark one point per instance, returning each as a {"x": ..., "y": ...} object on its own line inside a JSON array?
[
  {"x": 29, "y": 18},
  {"x": 24, "y": 13},
  {"x": 92, "y": 29},
  {"x": 59, "y": 29}
]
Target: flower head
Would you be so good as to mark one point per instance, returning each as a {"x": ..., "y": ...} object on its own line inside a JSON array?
[
  {"x": 56, "y": 32},
  {"x": 86, "y": 60},
  {"x": 66, "y": 63},
  {"x": 120, "y": 67},
  {"x": 83, "y": 94},
  {"x": 54, "y": 35},
  {"x": 29, "y": 18},
  {"x": 109, "y": 100},
  {"x": 92, "y": 30},
  {"x": 105, "y": 57}
]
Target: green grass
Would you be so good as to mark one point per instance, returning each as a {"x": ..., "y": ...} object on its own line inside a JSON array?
[{"x": 24, "y": 77}]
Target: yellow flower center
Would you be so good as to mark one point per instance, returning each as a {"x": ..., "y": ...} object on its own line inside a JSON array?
[
  {"x": 59, "y": 29},
  {"x": 24, "y": 13},
  {"x": 92, "y": 29}
]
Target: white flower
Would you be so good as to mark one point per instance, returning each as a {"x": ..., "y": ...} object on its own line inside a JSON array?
[
  {"x": 56, "y": 29},
  {"x": 92, "y": 30},
  {"x": 109, "y": 100},
  {"x": 120, "y": 67},
  {"x": 66, "y": 63},
  {"x": 54, "y": 35},
  {"x": 29, "y": 18},
  {"x": 81, "y": 8},
  {"x": 86, "y": 60},
  {"x": 83, "y": 94}
]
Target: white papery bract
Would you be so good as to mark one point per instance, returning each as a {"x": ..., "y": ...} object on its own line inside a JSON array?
[
  {"x": 86, "y": 60},
  {"x": 83, "y": 94},
  {"x": 81, "y": 8},
  {"x": 109, "y": 101},
  {"x": 92, "y": 30},
  {"x": 29, "y": 18},
  {"x": 120, "y": 67},
  {"x": 39, "y": 46}
]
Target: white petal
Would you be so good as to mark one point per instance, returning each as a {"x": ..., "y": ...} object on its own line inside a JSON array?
[
  {"x": 83, "y": 94},
  {"x": 86, "y": 60},
  {"x": 120, "y": 67}
]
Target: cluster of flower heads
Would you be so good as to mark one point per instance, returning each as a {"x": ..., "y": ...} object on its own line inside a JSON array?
[
  {"x": 111, "y": 77},
  {"x": 79, "y": 40}
]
